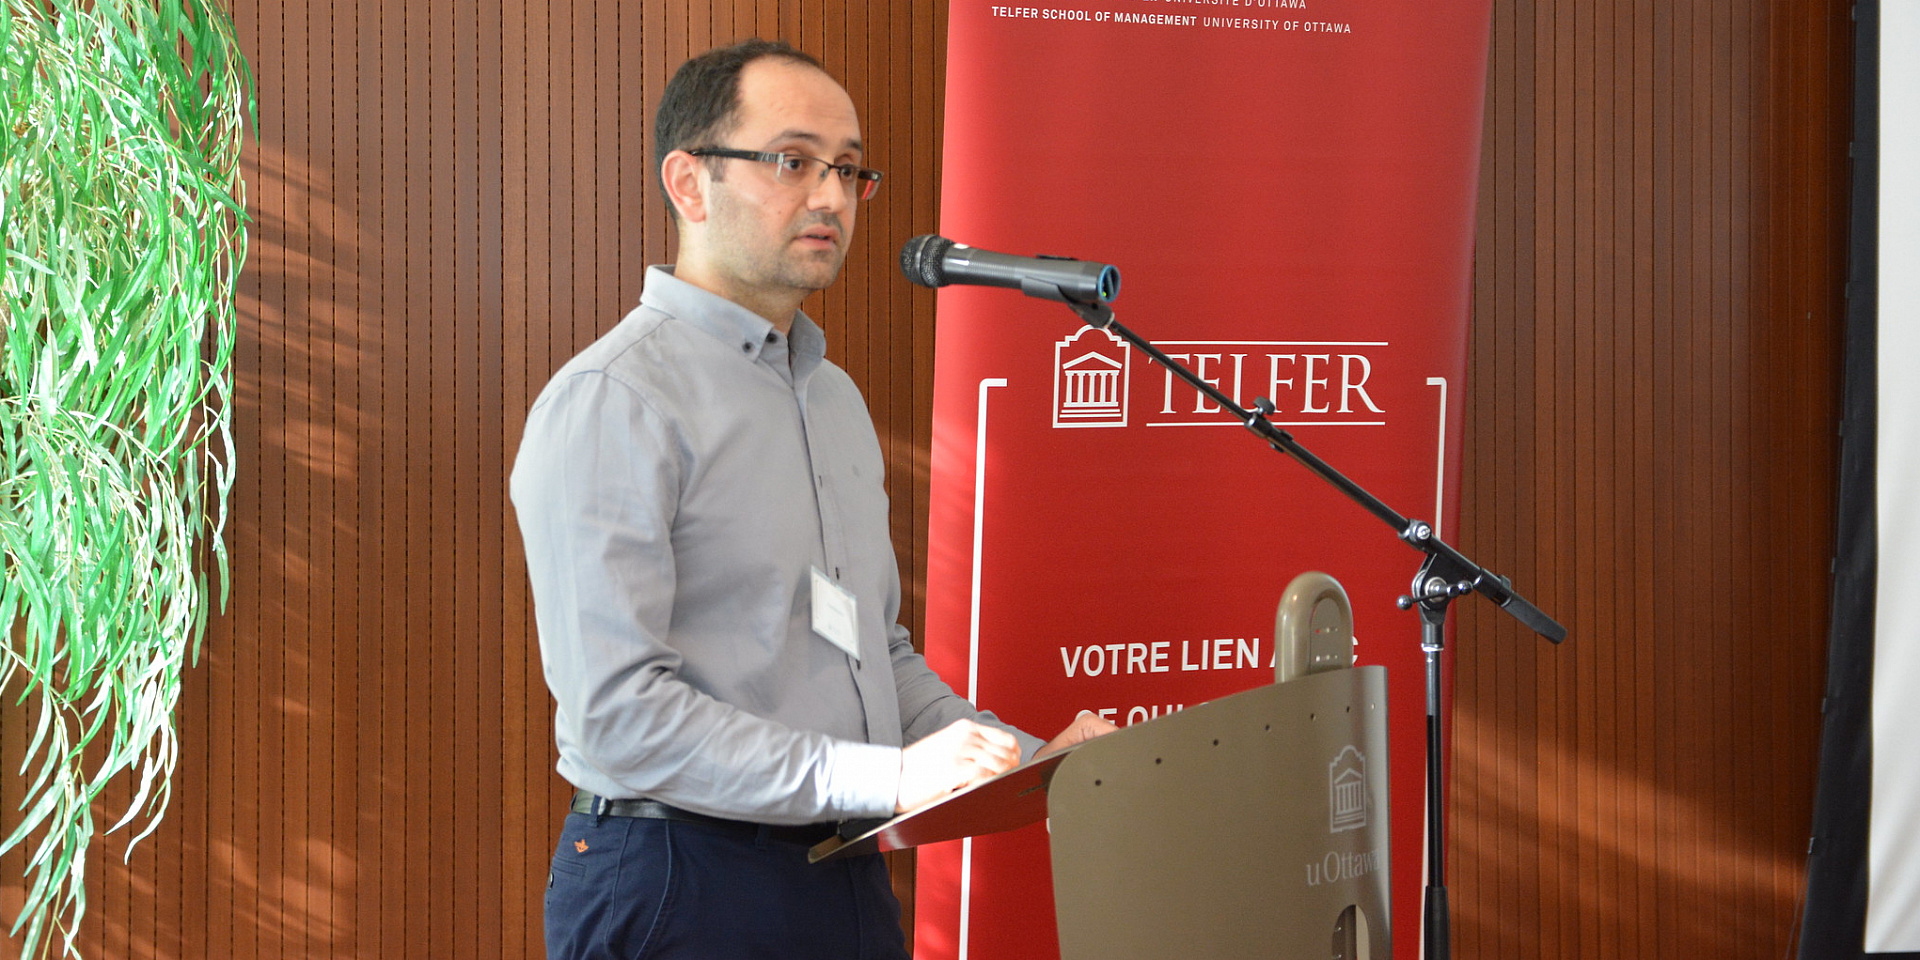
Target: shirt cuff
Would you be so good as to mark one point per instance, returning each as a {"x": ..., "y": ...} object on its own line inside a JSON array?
[
  {"x": 863, "y": 780},
  {"x": 1029, "y": 744}
]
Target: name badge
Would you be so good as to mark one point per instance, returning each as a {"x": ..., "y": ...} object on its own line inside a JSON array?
[{"x": 835, "y": 614}]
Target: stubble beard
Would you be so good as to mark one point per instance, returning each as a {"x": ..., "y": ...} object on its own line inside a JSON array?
[
  {"x": 781, "y": 264},
  {"x": 811, "y": 269}
]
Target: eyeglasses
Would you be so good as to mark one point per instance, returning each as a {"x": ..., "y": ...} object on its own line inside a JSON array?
[{"x": 792, "y": 169}]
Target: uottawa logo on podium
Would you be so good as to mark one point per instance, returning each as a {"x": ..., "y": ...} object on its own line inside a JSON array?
[
  {"x": 1347, "y": 809},
  {"x": 1317, "y": 382},
  {"x": 1347, "y": 791}
]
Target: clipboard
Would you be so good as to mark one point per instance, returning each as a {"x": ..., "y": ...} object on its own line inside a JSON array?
[{"x": 1008, "y": 801}]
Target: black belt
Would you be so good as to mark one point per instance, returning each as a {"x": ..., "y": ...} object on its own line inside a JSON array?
[{"x": 807, "y": 835}]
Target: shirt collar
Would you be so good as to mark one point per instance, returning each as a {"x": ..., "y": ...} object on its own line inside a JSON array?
[{"x": 729, "y": 322}]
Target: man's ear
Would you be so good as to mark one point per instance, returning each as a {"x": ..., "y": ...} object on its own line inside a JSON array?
[{"x": 685, "y": 179}]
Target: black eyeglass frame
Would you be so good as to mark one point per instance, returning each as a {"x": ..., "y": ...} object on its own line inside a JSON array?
[{"x": 867, "y": 177}]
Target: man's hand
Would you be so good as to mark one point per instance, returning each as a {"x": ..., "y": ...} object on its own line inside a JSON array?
[
  {"x": 960, "y": 754},
  {"x": 1084, "y": 727}
]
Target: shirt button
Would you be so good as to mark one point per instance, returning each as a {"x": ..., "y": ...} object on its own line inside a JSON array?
[
  {"x": 773, "y": 338},
  {"x": 747, "y": 347}
]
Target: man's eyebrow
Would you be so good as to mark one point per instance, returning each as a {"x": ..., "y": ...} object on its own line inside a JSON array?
[{"x": 807, "y": 136}]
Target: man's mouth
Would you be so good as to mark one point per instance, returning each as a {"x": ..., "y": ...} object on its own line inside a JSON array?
[{"x": 826, "y": 235}]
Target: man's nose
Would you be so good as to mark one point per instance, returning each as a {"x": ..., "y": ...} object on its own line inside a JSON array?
[{"x": 829, "y": 193}]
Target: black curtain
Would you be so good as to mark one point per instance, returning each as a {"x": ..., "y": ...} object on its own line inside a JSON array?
[{"x": 1834, "y": 923}]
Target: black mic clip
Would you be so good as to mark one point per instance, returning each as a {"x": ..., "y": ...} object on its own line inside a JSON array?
[{"x": 1097, "y": 314}]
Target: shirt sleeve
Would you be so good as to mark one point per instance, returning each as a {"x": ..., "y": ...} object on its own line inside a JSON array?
[
  {"x": 595, "y": 487},
  {"x": 927, "y": 703}
]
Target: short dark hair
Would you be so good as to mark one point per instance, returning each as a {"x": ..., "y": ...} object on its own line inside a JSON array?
[{"x": 702, "y": 101}]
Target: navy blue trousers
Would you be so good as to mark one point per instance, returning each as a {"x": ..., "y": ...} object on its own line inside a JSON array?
[{"x": 629, "y": 888}]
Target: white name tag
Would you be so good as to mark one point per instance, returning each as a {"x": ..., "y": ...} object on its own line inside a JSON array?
[{"x": 835, "y": 614}]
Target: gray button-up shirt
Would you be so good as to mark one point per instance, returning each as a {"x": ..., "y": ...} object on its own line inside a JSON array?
[{"x": 677, "y": 483}]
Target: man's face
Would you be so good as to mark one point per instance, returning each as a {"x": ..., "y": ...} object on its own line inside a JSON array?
[{"x": 764, "y": 237}]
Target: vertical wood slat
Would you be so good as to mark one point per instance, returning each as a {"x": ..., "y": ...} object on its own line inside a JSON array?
[
  {"x": 1646, "y": 790},
  {"x": 450, "y": 198}
]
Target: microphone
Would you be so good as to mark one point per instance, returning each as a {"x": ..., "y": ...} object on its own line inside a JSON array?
[{"x": 934, "y": 261}]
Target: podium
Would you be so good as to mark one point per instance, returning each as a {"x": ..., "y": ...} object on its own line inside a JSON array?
[{"x": 1254, "y": 825}]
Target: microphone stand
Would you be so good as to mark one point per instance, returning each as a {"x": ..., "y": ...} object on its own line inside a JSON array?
[{"x": 1443, "y": 576}]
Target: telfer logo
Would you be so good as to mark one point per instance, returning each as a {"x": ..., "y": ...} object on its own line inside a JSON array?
[{"x": 1313, "y": 383}]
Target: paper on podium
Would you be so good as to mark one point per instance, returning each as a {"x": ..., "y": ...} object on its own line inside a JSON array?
[{"x": 1005, "y": 802}]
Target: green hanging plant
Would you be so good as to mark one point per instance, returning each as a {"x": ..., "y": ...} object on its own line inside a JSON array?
[{"x": 121, "y": 228}]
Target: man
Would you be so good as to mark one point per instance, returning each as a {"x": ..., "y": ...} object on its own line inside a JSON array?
[{"x": 701, "y": 497}]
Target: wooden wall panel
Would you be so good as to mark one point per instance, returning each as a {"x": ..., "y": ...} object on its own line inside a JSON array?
[
  {"x": 451, "y": 197},
  {"x": 1650, "y": 450}
]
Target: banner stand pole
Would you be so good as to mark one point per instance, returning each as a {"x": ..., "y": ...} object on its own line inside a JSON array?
[{"x": 1443, "y": 576}]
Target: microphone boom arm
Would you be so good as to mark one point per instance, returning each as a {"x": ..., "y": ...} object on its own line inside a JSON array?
[{"x": 1416, "y": 533}]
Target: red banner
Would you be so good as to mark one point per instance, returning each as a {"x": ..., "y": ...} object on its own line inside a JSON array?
[{"x": 1288, "y": 189}]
